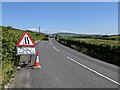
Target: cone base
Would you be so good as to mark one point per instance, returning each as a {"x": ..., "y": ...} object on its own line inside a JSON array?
[{"x": 37, "y": 66}]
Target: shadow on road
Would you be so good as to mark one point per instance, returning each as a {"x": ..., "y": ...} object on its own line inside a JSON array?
[{"x": 26, "y": 65}]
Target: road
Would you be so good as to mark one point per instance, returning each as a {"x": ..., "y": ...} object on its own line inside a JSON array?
[{"x": 62, "y": 67}]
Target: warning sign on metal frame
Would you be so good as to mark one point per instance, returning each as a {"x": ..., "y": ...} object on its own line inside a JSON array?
[
  {"x": 25, "y": 45},
  {"x": 25, "y": 40}
]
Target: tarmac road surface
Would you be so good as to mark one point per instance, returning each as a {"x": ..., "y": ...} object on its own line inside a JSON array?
[{"x": 62, "y": 67}]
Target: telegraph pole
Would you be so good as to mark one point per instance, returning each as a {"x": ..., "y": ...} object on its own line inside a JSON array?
[{"x": 39, "y": 29}]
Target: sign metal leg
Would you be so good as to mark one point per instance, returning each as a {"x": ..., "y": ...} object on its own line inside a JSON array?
[{"x": 30, "y": 62}]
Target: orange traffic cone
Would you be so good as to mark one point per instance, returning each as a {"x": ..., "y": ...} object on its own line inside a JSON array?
[{"x": 37, "y": 64}]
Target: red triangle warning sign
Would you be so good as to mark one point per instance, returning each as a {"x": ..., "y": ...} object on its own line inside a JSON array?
[{"x": 25, "y": 40}]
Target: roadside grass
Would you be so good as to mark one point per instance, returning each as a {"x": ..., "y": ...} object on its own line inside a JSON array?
[{"x": 10, "y": 37}]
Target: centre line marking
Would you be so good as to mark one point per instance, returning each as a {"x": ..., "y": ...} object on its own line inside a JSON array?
[
  {"x": 55, "y": 48},
  {"x": 50, "y": 43},
  {"x": 94, "y": 71}
]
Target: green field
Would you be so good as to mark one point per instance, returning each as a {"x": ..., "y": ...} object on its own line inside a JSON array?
[
  {"x": 98, "y": 41},
  {"x": 89, "y": 36},
  {"x": 10, "y": 37}
]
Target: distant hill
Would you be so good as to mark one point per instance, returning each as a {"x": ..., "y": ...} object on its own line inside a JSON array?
[
  {"x": 65, "y": 34},
  {"x": 74, "y": 35}
]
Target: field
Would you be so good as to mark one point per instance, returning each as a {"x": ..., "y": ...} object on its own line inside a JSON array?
[
  {"x": 98, "y": 41},
  {"x": 105, "y": 50},
  {"x": 89, "y": 36},
  {"x": 10, "y": 37}
]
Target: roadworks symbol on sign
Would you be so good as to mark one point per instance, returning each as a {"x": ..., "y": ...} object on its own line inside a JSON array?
[{"x": 25, "y": 40}]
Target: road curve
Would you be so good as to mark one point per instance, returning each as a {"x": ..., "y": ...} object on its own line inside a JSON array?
[{"x": 62, "y": 67}]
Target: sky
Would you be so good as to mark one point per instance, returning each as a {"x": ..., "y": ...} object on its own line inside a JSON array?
[{"x": 52, "y": 17}]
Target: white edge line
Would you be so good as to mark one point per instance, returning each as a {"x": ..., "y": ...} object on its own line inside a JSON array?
[
  {"x": 94, "y": 71},
  {"x": 55, "y": 48}
]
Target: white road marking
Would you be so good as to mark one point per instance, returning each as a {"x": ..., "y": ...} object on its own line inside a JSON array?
[
  {"x": 50, "y": 43},
  {"x": 55, "y": 48},
  {"x": 94, "y": 71}
]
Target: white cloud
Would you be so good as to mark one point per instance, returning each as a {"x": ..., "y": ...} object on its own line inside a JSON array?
[
  {"x": 68, "y": 31},
  {"x": 32, "y": 29},
  {"x": 48, "y": 31},
  {"x": 51, "y": 31}
]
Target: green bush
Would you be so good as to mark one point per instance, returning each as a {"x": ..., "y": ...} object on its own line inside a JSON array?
[{"x": 10, "y": 37}]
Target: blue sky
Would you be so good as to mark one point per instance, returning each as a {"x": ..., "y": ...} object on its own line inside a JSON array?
[{"x": 82, "y": 18}]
